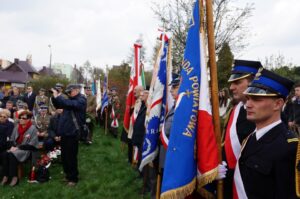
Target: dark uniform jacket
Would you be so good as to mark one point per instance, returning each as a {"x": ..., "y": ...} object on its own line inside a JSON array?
[
  {"x": 53, "y": 126},
  {"x": 30, "y": 100},
  {"x": 244, "y": 128},
  {"x": 139, "y": 127},
  {"x": 294, "y": 114},
  {"x": 6, "y": 129},
  {"x": 267, "y": 166},
  {"x": 76, "y": 104}
]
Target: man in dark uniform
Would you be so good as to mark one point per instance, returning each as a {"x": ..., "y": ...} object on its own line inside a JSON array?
[
  {"x": 237, "y": 127},
  {"x": 69, "y": 125},
  {"x": 266, "y": 166}
]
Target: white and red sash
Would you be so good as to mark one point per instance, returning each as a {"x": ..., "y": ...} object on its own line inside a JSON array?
[
  {"x": 238, "y": 185},
  {"x": 232, "y": 143},
  {"x": 134, "y": 115},
  {"x": 115, "y": 122}
]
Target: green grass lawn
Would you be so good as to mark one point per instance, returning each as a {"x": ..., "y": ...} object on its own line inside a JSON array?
[{"x": 103, "y": 173}]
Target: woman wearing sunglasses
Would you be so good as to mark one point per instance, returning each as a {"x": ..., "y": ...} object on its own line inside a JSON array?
[{"x": 24, "y": 136}]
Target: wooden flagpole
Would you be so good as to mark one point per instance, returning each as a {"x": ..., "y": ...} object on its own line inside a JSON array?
[{"x": 214, "y": 86}]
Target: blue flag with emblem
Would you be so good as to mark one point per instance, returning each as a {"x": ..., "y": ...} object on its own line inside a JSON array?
[
  {"x": 156, "y": 108},
  {"x": 105, "y": 96},
  {"x": 180, "y": 171}
]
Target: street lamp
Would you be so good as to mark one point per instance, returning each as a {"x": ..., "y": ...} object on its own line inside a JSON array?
[{"x": 50, "y": 55}]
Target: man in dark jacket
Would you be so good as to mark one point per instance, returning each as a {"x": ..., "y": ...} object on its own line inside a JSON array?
[
  {"x": 266, "y": 166},
  {"x": 29, "y": 97},
  {"x": 294, "y": 113},
  {"x": 70, "y": 123},
  {"x": 139, "y": 126}
]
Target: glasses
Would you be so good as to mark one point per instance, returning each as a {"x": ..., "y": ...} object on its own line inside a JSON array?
[{"x": 23, "y": 118}]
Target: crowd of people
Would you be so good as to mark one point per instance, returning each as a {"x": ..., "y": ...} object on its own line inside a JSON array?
[
  {"x": 261, "y": 120},
  {"x": 260, "y": 134},
  {"x": 31, "y": 122}
]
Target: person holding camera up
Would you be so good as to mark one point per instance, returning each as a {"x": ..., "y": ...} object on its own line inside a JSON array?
[{"x": 70, "y": 124}]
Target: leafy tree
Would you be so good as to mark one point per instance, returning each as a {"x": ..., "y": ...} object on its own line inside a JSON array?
[
  {"x": 87, "y": 71},
  {"x": 47, "y": 82},
  {"x": 229, "y": 23},
  {"x": 224, "y": 64},
  {"x": 118, "y": 76},
  {"x": 292, "y": 73}
]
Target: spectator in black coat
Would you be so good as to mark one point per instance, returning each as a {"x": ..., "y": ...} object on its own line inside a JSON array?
[
  {"x": 54, "y": 136},
  {"x": 139, "y": 126},
  {"x": 29, "y": 98},
  {"x": 70, "y": 123},
  {"x": 294, "y": 114},
  {"x": 6, "y": 128}
]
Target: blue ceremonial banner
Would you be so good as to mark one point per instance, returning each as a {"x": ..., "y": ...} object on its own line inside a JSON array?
[
  {"x": 180, "y": 171},
  {"x": 156, "y": 109},
  {"x": 105, "y": 96}
]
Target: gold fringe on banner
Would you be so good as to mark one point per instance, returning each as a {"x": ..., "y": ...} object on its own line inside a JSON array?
[
  {"x": 207, "y": 177},
  {"x": 180, "y": 192},
  {"x": 297, "y": 172}
]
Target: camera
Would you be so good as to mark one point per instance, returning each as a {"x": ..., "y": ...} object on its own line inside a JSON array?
[{"x": 50, "y": 90}]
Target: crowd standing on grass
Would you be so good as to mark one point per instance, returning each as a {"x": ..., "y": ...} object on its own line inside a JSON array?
[{"x": 48, "y": 125}]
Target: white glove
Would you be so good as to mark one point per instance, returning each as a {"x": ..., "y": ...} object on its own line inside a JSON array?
[{"x": 222, "y": 170}]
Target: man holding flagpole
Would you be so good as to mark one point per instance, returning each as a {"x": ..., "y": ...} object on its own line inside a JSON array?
[
  {"x": 136, "y": 92},
  {"x": 237, "y": 127}
]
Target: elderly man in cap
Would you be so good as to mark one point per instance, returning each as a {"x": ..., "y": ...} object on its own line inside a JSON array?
[
  {"x": 266, "y": 166},
  {"x": 70, "y": 124},
  {"x": 41, "y": 99},
  {"x": 91, "y": 112},
  {"x": 237, "y": 127}
]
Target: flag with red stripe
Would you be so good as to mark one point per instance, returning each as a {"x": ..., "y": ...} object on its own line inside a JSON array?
[
  {"x": 133, "y": 82},
  {"x": 156, "y": 108}
]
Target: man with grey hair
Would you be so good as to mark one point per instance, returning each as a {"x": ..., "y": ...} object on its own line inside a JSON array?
[{"x": 136, "y": 92}]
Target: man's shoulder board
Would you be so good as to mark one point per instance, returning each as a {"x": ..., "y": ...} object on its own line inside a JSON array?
[{"x": 291, "y": 137}]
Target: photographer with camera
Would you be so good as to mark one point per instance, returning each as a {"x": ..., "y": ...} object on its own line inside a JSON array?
[{"x": 70, "y": 124}]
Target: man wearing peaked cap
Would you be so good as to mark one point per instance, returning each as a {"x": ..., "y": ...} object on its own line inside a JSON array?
[
  {"x": 237, "y": 127},
  {"x": 40, "y": 100},
  {"x": 59, "y": 87},
  {"x": 42, "y": 121},
  {"x": 266, "y": 167},
  {"x": 70, "y": 125}
]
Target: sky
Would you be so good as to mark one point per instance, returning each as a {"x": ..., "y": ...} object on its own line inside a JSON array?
[{"x": 103, "y": 32}]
